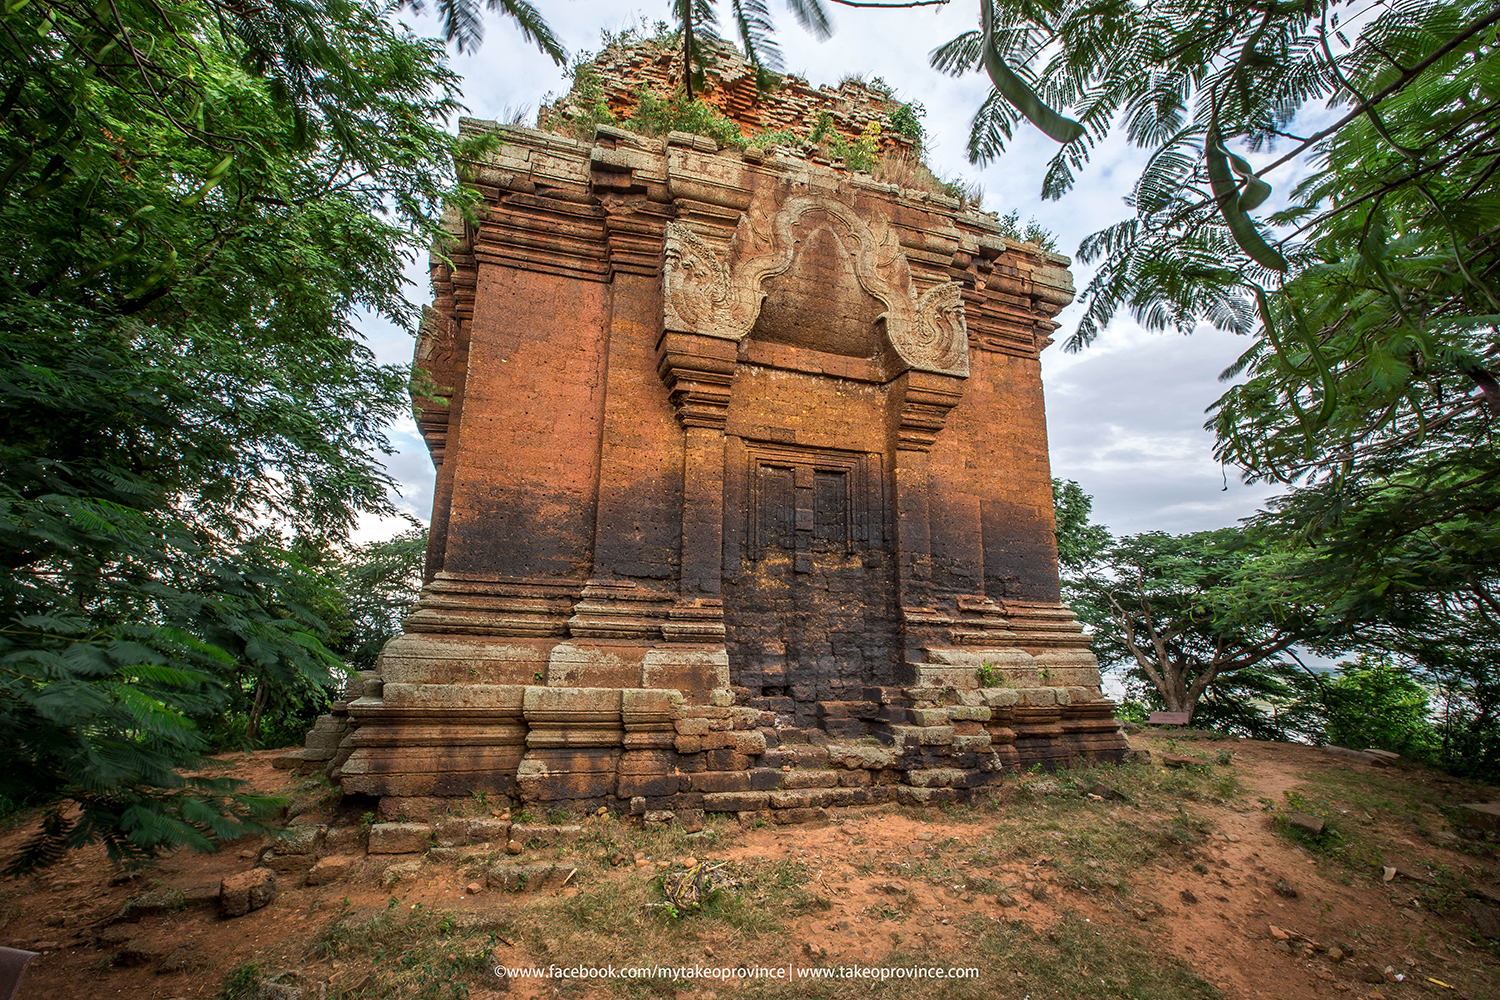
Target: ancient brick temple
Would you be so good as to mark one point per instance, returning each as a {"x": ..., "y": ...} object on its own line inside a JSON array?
[{"x": 742, "y": 465}]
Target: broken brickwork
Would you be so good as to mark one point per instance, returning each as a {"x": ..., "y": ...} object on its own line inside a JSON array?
[
  {"x": 743, "y": 501},
  {"x": 618, "y": 74}
]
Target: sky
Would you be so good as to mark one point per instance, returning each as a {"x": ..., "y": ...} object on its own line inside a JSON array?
[{"x": 1125, "y": 416}]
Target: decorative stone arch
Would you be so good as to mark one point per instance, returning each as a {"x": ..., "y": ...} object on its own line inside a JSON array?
[{"x": 720, "y": 295}]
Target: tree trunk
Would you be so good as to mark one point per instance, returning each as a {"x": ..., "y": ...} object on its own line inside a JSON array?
[
  {"x": 257, "y": 709},
  {"x": 687, "y": 48}
]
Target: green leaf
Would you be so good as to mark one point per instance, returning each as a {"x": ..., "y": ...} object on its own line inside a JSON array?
[
  {"x": 1227, "y": 196},
  {"x": 1015, "y": 90}
]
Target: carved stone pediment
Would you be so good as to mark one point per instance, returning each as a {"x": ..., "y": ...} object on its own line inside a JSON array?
[{"x": 718, "y": 292}]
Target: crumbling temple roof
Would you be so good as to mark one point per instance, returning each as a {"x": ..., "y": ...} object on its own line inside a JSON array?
[{"x": 616, "y": 77}]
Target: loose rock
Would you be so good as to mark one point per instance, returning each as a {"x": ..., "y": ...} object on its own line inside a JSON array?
[{"x": 247, "y": 891}]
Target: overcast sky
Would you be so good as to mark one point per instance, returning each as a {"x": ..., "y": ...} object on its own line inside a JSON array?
[{"x": 1125, "y": 416}]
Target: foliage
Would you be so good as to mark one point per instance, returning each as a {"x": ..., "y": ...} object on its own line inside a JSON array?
[
  {"x": 860, "y": 154},
  {"x": 1032, "y": 232},
  {"x": 379, "y": 582},
  {"x": 1079, "y": 542},
  {"x": 656, "y": 115},
  {"x": 1372, "y": 289},
  {"x": 1376, "y": 703},
  {"x": 590, "y": 109},
  {"x": 906, "y": 120},
  {"x": 195, "y": 202},
  {"x": 1409, "y": 553},
  {"x": 1376, "y": 303}
]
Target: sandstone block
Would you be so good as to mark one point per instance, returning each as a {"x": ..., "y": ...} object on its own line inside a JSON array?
[
  {"x": 849, "y": 797},
  {"x": 334, "y": 868},
  {"x": 544, "y": 833},
  {"x": 751, "y": 743},
  {"x": 239, "y": 894},
  {"x": 937, "y": 777},
  {"x": 721, "y": 781},
  {"x": 511, "y": 877},
  {"x": 399, "y": 838},
  {"x": 809, "y": 779},
  {"x": 925, "y": 796},
  {"x": 288, "y": 864},
  {"x": 853, "y": 755},
  {"x": 297, "y": 840},
  {"x": 631, "y": 785},
  {"x": 489, "y": 831},
  {"x": 810, "y": 756},
  {"x": 744, "y": 718},
  {"x": 451, "y": 832},
  {"x": 719, "y": 739},
  {"x": 1001, "y": 697},
  {"x": 798, "y": 798},
  {"x": 809, "y": 814},
  {"x": 734, "y": 801},
  {"x": 705, "y": 712},
  {"x": 969, "y": 713}
]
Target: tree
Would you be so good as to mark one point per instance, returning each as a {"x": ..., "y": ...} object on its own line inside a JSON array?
[
  {"x": 380, "y": 583},
  {"x": 1374, "y": 293},
  {"x": 195, "y": 201},
  {"x": 1191, "y": 614},
  {"x": 1079, "y": 542},
  {"x": 1408, "y": 551}
]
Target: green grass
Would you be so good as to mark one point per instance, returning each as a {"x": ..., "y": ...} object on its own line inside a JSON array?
[{"x": 411, "y": 952}]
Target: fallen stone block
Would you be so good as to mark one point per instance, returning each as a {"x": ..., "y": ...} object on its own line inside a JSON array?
[
  {"x": 288, "y": 864},
  {"x": 489, "y": 831},
  {"x": 1484, "y": 815},
  {"x": 334, "y": 868},
  {"x": 937, "y": 777},
  {"x": 161, "y": 900},
  {"x": 247, "y": 891},
  {"x": 535, "y": 834},
  {"x": 401, "y": 871},
  {"x": 451, "y": 832},
  {"x": 1310, "y": 825}
]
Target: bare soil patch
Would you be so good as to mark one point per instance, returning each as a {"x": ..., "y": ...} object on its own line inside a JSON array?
[{"x": 1187, "y": 883}]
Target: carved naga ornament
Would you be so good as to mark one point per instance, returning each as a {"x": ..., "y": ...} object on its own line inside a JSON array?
[{"x": 720, "y": 295}]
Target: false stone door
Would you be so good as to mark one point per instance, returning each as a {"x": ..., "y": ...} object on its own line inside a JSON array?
[{"x": 809, "y": 586}]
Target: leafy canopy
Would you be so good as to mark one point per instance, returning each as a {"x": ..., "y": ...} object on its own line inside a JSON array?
[
  {"x": 1373, "y": 287},
  {"x": 195, "y": 202}
]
